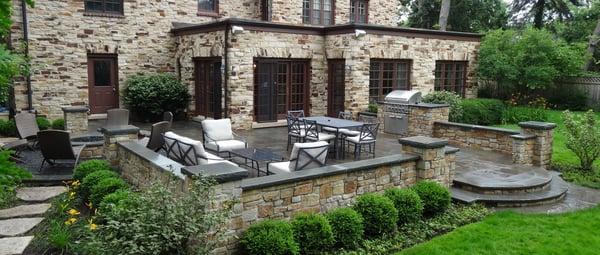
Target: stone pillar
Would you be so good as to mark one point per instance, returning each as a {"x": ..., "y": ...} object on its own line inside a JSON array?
[
  {"x": 76, "y": 119},
  {"x": 422, "y": 116},
  {"x": 543, "y": 131},
  {"x": 114, "y": 134},
  {"x": 523, "y": 149},
  {"x": 433, "y": 164}
]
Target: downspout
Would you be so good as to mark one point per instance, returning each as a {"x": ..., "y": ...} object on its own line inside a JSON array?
[
  {"x": 226, "y": 68},
  {"x": 26, "y": 43}
]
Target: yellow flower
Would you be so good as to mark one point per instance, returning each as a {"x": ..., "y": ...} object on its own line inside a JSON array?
[
  {"x": 75, "y": 183},
  {"x": 73, "y": 212},
  {"x": 93, "y": 226},
  {"x": 70, "y": 221}
]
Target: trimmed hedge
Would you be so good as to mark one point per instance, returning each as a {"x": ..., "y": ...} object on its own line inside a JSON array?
[
  {"x": 8, "y": 128},
  {"x": 43, "y": 123},
  {"x": 90, "y": 166},
  {"x": 482, "y": 111},
  {"x": 436, "y": 199},
  {"x": 113, "y": 199},
  {"x": 514, "y": 115},
  {"x": 347, "y": 227},
  {"x": 379, "y": 214},
  {"x": 273, "y": 237},
  {"x": 92, "y": 179},
  {"x": 313, "y": 233},
  {"x": 446, "y": 97},
  {"x": 105, "y": 187},
  {"x": 407, "y": 202},
  {"x": 150, "y": 95},
  {"x": 58, "y": 124}
]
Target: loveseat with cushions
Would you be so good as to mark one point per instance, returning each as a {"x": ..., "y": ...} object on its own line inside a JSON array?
[{"x": 188, "y": 151}]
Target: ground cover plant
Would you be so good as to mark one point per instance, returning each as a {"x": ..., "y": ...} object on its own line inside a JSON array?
[{"x": 11, "y": 177}]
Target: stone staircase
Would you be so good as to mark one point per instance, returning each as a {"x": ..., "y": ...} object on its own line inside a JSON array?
[{"x": 17, "y": 222}]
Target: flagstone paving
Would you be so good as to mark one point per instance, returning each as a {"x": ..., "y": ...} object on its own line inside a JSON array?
[
  {"x": 39, "y": 194},
  {"x": 24, "y": 210},
  {"x": 18, "y": 226},
  {"x": 14, "y": 245}
]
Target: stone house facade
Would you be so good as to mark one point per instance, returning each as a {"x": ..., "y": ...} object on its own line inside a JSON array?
[{"x": 248, "y": 60}]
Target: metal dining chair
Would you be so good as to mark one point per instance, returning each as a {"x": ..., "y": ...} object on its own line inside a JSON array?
[{"x": 367, "y": 138}]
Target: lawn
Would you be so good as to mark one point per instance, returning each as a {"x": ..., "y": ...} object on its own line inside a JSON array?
[{"x": 514, "y": 233}]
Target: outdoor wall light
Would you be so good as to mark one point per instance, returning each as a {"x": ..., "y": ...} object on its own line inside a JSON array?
[
  {"x": 359, "y": 33},
  {"x": 349, "y": 68},
  {"x": 237, "y": 30}
]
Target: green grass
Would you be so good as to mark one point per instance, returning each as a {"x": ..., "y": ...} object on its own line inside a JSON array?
[{"x": 514, "y": 233}]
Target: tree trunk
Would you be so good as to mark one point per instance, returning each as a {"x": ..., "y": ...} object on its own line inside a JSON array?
[
  {"x": 538, "y": 9},
  {"x": 592, "y": 47},
  {"x": 444, "y": 12}
]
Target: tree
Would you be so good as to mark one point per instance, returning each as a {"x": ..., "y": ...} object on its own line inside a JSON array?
[
  {"x": 464, "y": 15},
  {"x": 523, "y": 11},
  {"x": 444, "y": 12},
  {"x": 583, "y": 137},
  {"x": 592, "y": 47}
]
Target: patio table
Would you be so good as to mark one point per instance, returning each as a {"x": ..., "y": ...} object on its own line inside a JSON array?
[
  {"x": 256, "y": 156},
  {"x": 337, "y": 124}
]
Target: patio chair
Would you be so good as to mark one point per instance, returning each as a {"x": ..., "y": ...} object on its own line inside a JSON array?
[
  {"x": 313, "y": 134},
  {"x": 296, "y": 114},
  {"x": 188, "y": 151},
  {"x": 296, "y": 130},
  {"x": 367, "y": 137},
  {"x": 218, "y": 136},
  {"x": 117, "y": 117},
  {"x": 56, "y": 145},
  {"x": 156, "y": 140},
  {"x": 167, "y": 116},
  {"x": 303, "y": 156},
  {"x": 27, "y": 127},
  {"x": 367, "y": 118},
  {"x": 341, "y": 115}
]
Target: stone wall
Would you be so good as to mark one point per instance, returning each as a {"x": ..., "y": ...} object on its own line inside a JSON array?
[{"x": 476, "y": 137}]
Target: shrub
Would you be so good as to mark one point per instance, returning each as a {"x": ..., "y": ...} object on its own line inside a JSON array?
[
  {"x": 436, "y": 198},
  {"x": 90, "y": 166},
  {"x": 482, "y": 111},
  {"x": 162, "y": 221},
  {"x": 92, "y": 179},
  {"x": 113, "y": 199},
  {"x": 514, "y": 115},
  {"x": 373, "y": 108},
  {"x": 11, "y": 175},
  {"x": 380, "y": 216},
  {"x": 43, "y": 123},
  {"x": 58, "y": 124},
  {"x": 446, "y": 97},
  {"x": 8, "y": 128},
  {"x": 567, "y": 97},
  {"x": 347, "y": 227},
  {"x": 105, "y": 187},
  {"x": 313, "y": 233},
  {"x": 270, "y": 237},
  {"x": 583, "y": 137},
  {"x": 407, "y": 202},
  {"x": 151, "y": 95}
]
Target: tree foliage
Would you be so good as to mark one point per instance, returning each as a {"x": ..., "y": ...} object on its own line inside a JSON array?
[{"x": 541, "y": 11}]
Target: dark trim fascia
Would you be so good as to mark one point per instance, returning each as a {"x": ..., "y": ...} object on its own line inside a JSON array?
[{"x": 266, "y": 26}]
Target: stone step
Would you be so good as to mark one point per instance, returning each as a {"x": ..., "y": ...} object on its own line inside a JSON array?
[
  {"x": 14, "y": 245},
  {"x": 24, "y": 211},
  {"x": 498, "y": 180},
  {"x": 48, "y": 179},
  {"x": 39, "y": 194},
  {"x": 555, "y": 192},
  {"x": 18, "y": 226}
]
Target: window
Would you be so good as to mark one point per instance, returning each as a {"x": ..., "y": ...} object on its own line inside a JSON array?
[
  {"x": 386, "y": 76},
  {"x": 104, "y": 6},
  {"x": 317, "y": 12},
  {"x": 359, "y": 11},
  {"x": 208, "y": 6},
  {"x": 451, "y": 76}
]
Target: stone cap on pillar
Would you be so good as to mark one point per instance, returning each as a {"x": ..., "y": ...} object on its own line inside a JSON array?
[
  {"x": 120, "y": 130},
  {"x": 538, "y": 125},
  {"x": 222, "y": 172},
  {"x": 75, "y": 109},
  {"x": 423, "y": 142}
]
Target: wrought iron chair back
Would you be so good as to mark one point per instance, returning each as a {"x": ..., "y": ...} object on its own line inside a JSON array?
[
  {"x": 294, "y": 126},
  {"x": 312, "y": 157},
  {"x": 181, "y": 152},
  {"x": 368, "y": 132},
  {"x": 312, "y": 133},
  {"x": 367, "y": 119},
  {"x": 296, "y": 114},
  {"x": 345, "y": 115}
]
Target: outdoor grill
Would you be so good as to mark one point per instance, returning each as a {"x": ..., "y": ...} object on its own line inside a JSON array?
[{"x": 396, "y": 110}]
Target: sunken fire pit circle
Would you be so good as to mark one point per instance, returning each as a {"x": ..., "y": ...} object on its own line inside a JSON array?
[{"x": 94, "y": 145}]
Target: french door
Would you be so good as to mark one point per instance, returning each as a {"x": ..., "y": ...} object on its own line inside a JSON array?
[
  {"x": 336, "y": 88},
  {"x": 208, "y": 87},
  {"x": 280, "y": 86}
]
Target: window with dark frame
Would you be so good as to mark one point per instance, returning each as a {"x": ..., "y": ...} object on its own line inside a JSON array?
[
  {"x": 208, "y": 6},
  {"x": 317, "y": 12},
  {"x": 359, "y": 11},
  {"x": 451, "y": 76},
  {"x": 386, "y": 76},
  {"x": 104, "y": 6}
]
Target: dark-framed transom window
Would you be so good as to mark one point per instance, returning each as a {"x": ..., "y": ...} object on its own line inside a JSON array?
[
  {"x": 359, "y": 11},
  {"x": 451, "y": 76},
  {"x": 317, "y": 12},
  {"x": 208, "y": 6},
  {"x": 104, "y": 6},
  {"x": 388, "y": 75}
]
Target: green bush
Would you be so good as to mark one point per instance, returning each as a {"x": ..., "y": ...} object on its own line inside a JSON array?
[
  {"x": 11, "y": 176},
  {"x": 514, "y": 115},
  {"x": 379, "y": 214},
  {"x": 436, "y": 198},
  {"x": 91, "y": 180},
  {"x": 105, "y": 187},
  {"x": 313, "y": 233},
  {"x": 583, "y": 137},
  {"x": 446, "y": 97},
  {"x": 43, "y": 123},
  {"x": 151, "y": 95},
  {"x": 407, "y": 202},
  {"x": 8, "y": 128},
  {"x": 273, "y": 237},
  {"x": 482, "y": 111},
  {"x": 58, "y": 124},
  {"x": 373, "y": 108},
  {"x": 113, "y": 199},
  {"x": 347, "y": 227},
  {"x": 90, "y": 166},
  {"x": 568, "y": 98}
]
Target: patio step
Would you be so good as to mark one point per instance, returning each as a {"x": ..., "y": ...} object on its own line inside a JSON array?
[
  {"x": 556, "y": 191},
  {"x": 515, "y": 179}
]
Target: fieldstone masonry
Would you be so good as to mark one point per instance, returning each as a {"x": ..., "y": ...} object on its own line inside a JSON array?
[
  {"x": 113, "y": 135},
  {"x": 433, "y": 163},
  {"x": 543, "y": 131},
  {"x": 76, "y": 119}
]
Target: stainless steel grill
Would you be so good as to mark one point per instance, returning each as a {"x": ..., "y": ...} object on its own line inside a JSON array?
[{"x": 396, "y": 110}]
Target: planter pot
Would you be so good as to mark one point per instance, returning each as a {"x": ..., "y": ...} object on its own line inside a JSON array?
[{"x": 372, "y": 114}]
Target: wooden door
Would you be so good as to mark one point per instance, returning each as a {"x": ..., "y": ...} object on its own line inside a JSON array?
[
  {"x": 264, "y": 91},
  {"x": 336, "y": 88},
  {"x": 103, "y": 83},
  {"x": 208, "y": 87}
]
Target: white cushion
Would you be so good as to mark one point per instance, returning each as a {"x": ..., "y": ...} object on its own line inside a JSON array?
[
  {"x": 323, "y": 137},
  {"x": 227, "y": 145},
  {"x": 302, "y": 133},
  {"x": 218, "y": 130},
  {"x": 330, "y": 129},
  {"x": 348, "y": 132},
  {"x": 355, "y": 139},
  {"x": 175, "y": 153},
  {"x": 280, "y": 167}
]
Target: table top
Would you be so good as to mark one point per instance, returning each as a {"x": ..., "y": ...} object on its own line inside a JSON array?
[
  {"x": 334, "y": 122},
  {"x": 257, "y": 154}
]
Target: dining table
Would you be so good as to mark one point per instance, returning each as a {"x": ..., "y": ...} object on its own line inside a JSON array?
[{"x": 337, "y": 124}]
